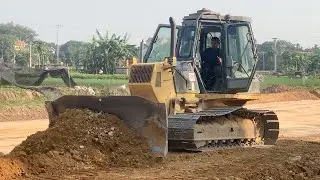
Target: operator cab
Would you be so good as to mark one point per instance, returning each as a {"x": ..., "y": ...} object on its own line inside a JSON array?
[{"x": 231, "y": 71}]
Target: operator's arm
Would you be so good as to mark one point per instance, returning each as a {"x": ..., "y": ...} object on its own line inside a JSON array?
[{"x": 204, "y": 57}]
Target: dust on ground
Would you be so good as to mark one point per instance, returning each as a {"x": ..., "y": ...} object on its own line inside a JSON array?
[{"x": 81, "y": 139}]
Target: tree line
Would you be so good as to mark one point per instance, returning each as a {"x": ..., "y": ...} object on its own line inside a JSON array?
[
  {"x": 290, "y": 57},
  {"x": 105, "y": 50}
]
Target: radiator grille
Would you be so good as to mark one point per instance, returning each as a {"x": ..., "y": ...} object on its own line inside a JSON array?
[{"x": 141, "y": 74}]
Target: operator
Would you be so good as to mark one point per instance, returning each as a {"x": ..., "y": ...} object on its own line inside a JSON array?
[{"x": 211, "y": 63}]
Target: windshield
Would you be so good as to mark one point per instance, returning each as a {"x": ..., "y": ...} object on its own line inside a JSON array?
[
  {"x": 186, "y": 43},
  {"x": 240, "y": 51},
  {"x": 160, "y": 45}
]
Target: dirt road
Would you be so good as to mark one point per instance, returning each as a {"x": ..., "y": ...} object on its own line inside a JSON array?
[
  {"x": 12, "y": 133},
  {"x": 296, "y": 118}
]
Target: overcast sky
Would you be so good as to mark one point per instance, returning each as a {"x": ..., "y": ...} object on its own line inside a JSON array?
[{"x": 292, "y": 20}]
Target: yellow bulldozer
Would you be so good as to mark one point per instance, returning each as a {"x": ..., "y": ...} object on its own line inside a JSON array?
[{"x": 177, "y": 103}]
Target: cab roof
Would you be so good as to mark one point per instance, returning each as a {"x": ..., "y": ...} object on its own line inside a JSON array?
[{"x": 211, "y": 15}]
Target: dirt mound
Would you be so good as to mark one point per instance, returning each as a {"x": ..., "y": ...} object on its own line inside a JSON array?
[
  {"x": 276, "y": 89},
  {"x": 16, "y": 113},
  {"x": 284, "y": 93},
  {"x": 285, "y": 96},
  {"x": 19, "y": 95},
  {"x": 10, "y": 169},
  {"x": 82, "y": 139}
]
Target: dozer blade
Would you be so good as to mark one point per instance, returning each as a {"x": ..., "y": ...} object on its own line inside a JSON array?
[{"x": 146, "y": 118}]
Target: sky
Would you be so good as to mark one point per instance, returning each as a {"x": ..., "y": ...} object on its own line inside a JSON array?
[{"x": 292, "y": 20}]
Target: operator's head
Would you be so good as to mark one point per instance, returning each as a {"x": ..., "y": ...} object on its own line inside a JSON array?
[{"x": 215, "y": 41}]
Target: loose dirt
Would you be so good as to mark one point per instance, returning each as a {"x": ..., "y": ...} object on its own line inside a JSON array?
[
  {"x": 9, "y": 169},
  {"x": 81, "y": 139},
  {"x": 290, "y": 159}
]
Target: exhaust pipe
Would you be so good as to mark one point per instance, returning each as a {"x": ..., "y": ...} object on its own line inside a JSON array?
[{"x": 173, "y": 38}]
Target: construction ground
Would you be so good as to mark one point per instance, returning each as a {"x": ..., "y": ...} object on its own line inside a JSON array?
[{"x": 78, "y": 148}]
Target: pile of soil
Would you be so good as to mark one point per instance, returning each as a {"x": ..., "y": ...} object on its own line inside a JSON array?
[
  {"x": 82, "y": 139},
  {"x": 297, "y": 95},
  {"x": 10, "y": 169},
  {"x": 276, "y": 89},
  {"x": 279, "y": 93},
  {"x": 19, "y": 95}
]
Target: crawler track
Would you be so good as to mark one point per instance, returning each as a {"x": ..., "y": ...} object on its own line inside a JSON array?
[{"x": 223, "y": 127}]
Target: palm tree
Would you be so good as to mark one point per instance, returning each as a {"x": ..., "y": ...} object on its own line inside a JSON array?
[{"x": 104, "y": 51}]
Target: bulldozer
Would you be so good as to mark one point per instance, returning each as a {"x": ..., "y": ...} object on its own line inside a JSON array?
[{"x": 174, "y": 105}]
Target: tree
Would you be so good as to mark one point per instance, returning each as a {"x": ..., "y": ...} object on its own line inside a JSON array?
[
  {"x": 285, "y": 51},
  {"x": 10, "y": 33},
  {"x": 73, "y": 52},
  {"x": 288, "y": 62},
  {"x": 43, "y": 52},
  {"x": 104, "y": 51},
  {"x": 7, "y": 46}
]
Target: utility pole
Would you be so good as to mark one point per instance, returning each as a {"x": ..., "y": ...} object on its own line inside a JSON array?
[
  {"x": 30, "y": 54},
  {"x": 2, "y": 50},
  {"x": 275, "y": 53},
  {"x": 141, "y": 51},
  {"x": 58, "y": 26},
  {"x": 263, "y": 62}
]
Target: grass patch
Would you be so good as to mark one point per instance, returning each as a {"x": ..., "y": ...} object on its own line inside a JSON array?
[
  {"x": 293, "y": 82},
  {"x": 76, "y": 75}
]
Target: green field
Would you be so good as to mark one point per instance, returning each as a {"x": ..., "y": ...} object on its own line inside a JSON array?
[{"x": 293, "y": 82}]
